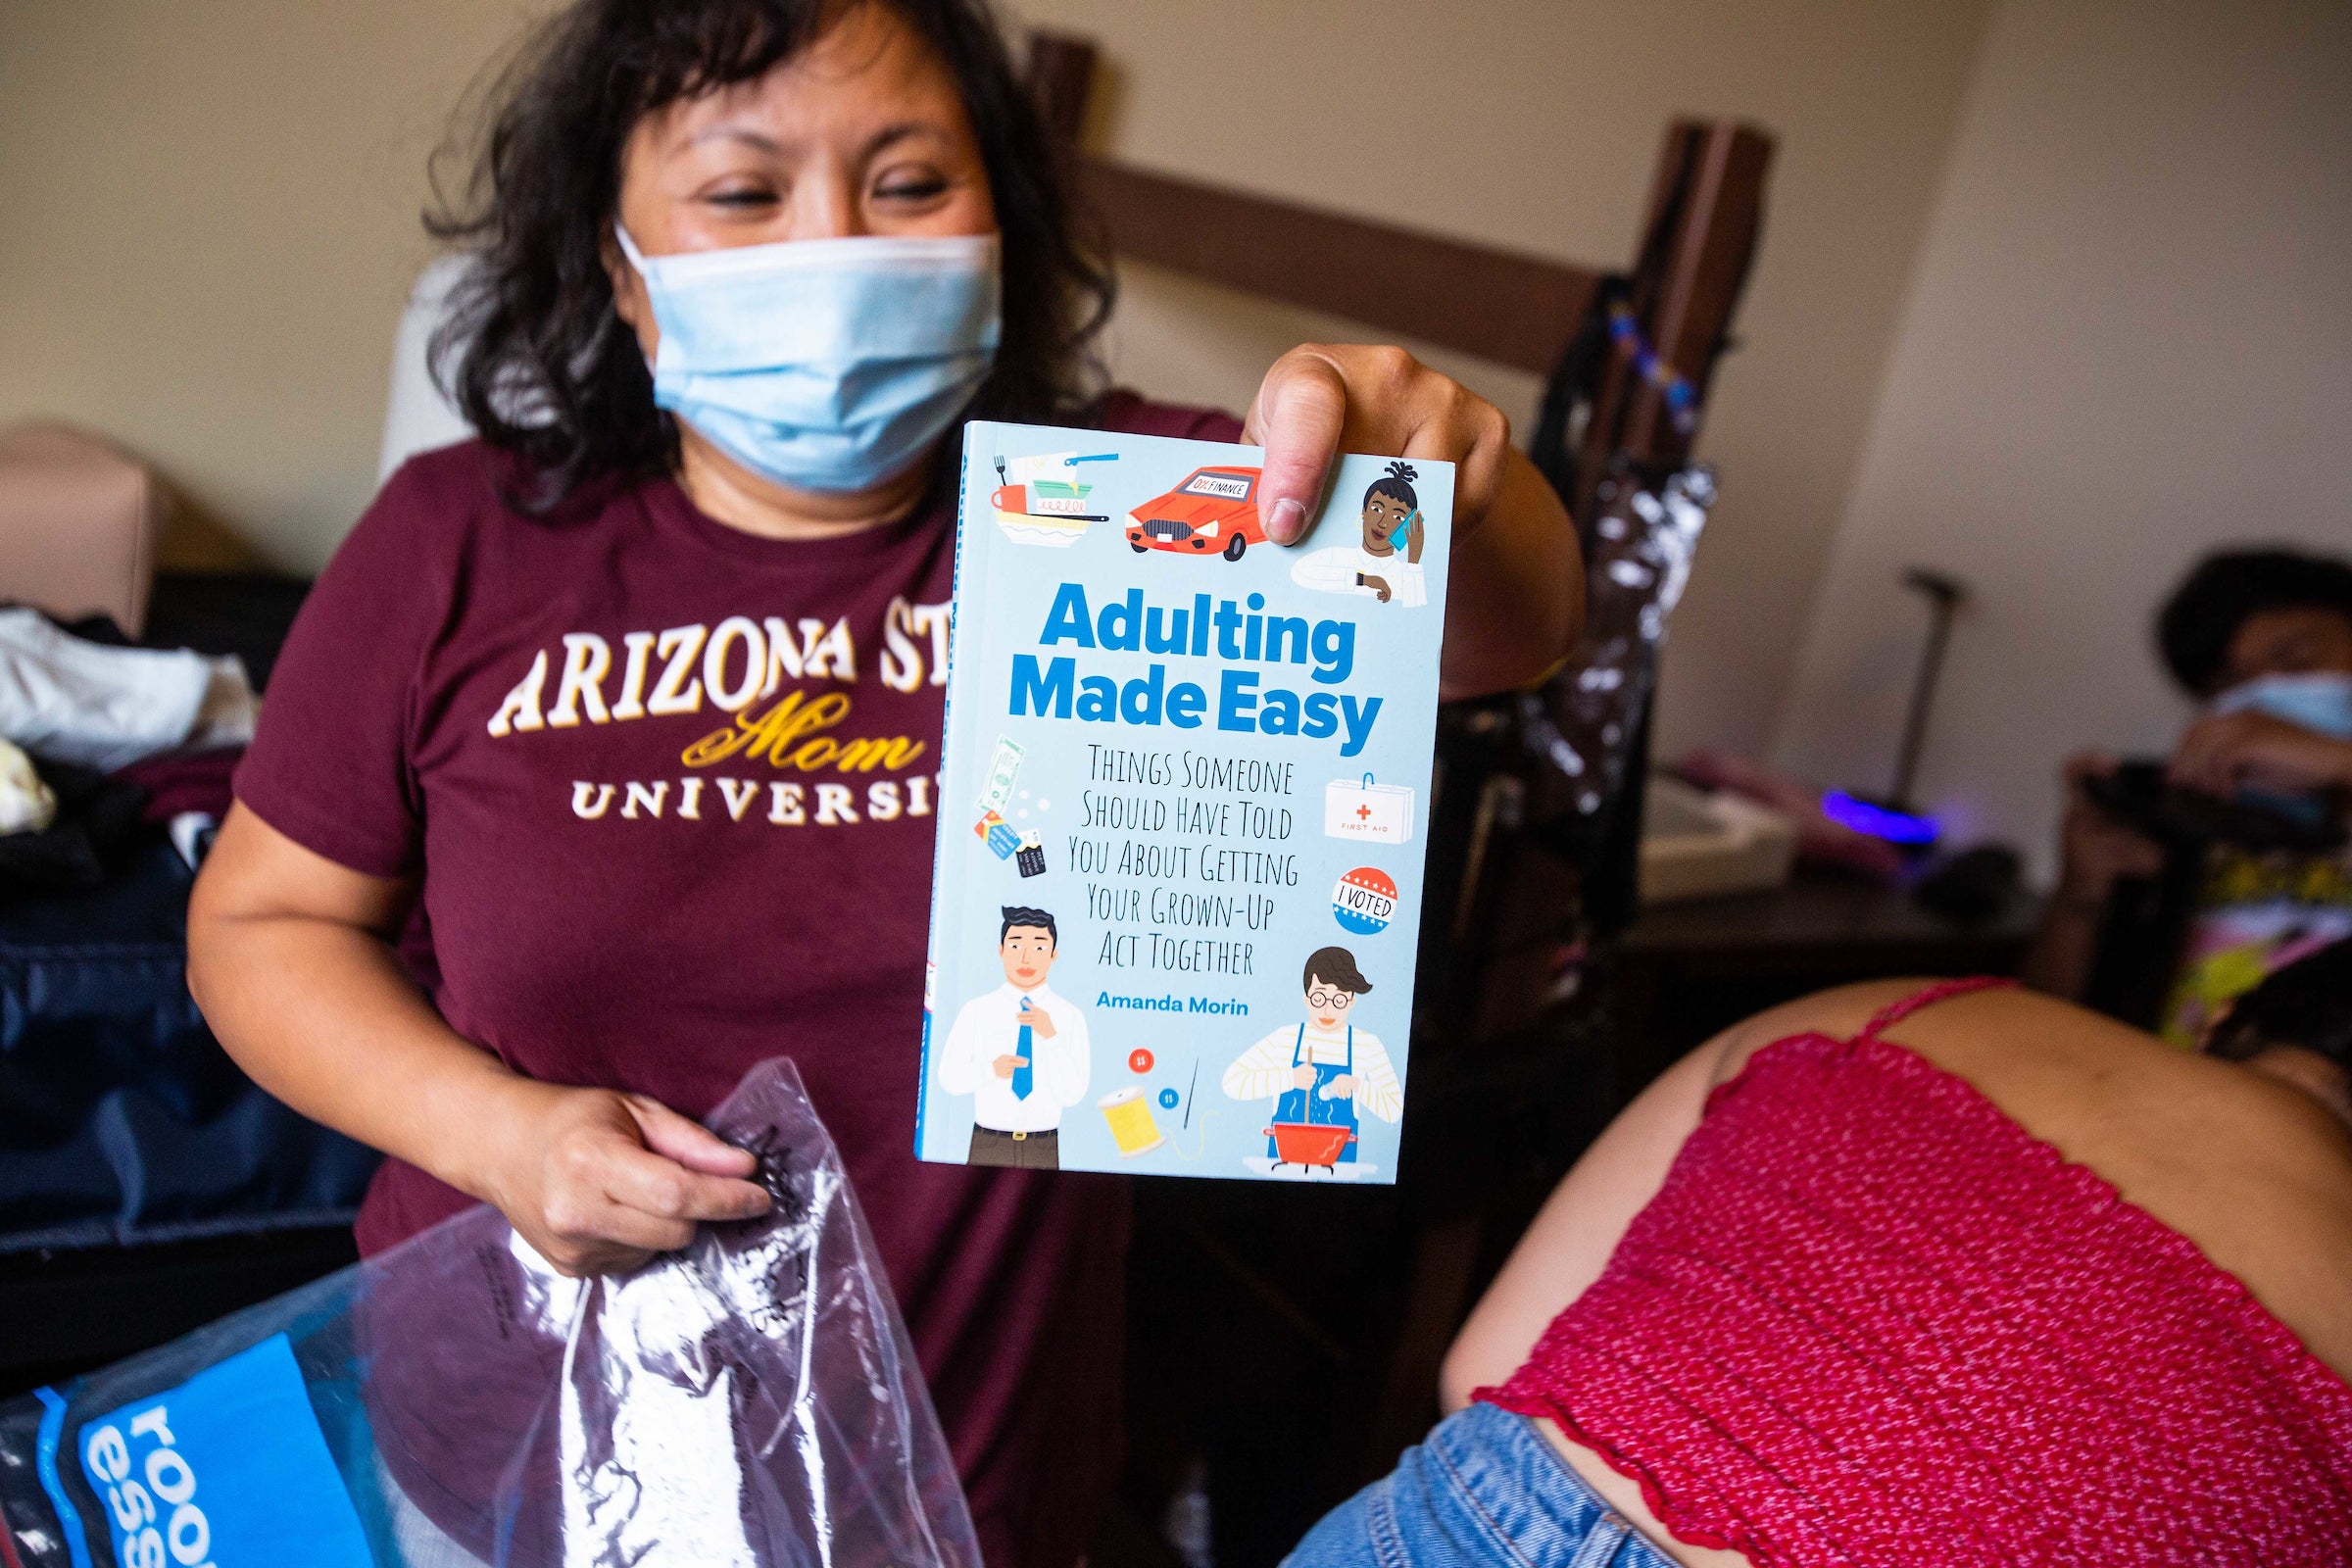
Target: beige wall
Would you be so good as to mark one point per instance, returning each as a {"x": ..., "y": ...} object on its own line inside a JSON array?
[
  {"x": 208, "y": 220},
  {"x": 2126, "y": 333},
  {"x": 208, "y": 225},
  {"x": 2131, "y": 339}
]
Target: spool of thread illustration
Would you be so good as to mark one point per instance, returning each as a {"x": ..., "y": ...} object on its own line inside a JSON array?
[{"x": 1131, "y": 1124}]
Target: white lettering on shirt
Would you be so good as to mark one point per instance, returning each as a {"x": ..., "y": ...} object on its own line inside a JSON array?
[
  {"x": 521, "y": 709},
  {"x": 933, "y": 618},
  {"x": 696, "y": 661},
  {"x": 732, "y": 630},
  {"x": 674, "y": 693},
  {"x": 783, "y": 654},
  {"x": 740, "y": 794},
  {"x": 902, "y": 657},
  {"x": 649, "y": 799},
  {"x": 828, "y": 653},
  {"x": 586, "y": 658},
  {"x": 790, "y": 804},
  {"x": 736, "y": 664},
  {"x": 632, "y": 680}
]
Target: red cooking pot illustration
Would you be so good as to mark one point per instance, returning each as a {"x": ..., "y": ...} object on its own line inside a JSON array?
[
  {"x": 1307, "y": 1143},
  {"x": 1214, "y": 510}
]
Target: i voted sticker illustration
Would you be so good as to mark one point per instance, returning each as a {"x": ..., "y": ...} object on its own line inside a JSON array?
[{"x": 1364, "y": 900}]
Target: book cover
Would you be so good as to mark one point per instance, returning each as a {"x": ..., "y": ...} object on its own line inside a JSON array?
[{"x": 1182, "y": 822}]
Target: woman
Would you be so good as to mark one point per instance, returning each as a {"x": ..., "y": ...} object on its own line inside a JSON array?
[
  {"x": 2263, "y": 640},
  {"x": 1853, "y": 1285},
  {"x": 573, "y": 700}
]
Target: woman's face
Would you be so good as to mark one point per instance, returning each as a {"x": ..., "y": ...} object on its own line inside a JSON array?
[
  {"x": 862, "y": 132},
  {"x": 2297, "y": 640},
  {"x": 1327, "y": 1003},
  {"x": 1384, "y": 516}
]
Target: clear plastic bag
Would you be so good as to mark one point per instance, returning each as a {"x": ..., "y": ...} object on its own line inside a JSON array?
[{"x": 751, "y": 1401}]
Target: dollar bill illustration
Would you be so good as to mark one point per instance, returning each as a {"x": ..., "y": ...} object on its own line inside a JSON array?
[{"x": 1002, "y": 769}]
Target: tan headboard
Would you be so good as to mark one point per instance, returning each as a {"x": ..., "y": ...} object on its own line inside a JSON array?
[{"x": 78, "y": 522}]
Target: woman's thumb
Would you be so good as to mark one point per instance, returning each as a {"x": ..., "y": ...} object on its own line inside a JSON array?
[
  {"x": 689, "y": 1142},
  {"x": 1297, "y": 416}
]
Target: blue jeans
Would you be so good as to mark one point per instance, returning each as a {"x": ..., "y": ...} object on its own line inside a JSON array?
[{"x": 1483, "y": 1490}]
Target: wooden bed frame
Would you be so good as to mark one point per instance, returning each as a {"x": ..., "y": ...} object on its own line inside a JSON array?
[{"x": 1499, "y": 305}]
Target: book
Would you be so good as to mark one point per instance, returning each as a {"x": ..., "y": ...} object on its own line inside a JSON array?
[{"x": 1182, "y": 812}]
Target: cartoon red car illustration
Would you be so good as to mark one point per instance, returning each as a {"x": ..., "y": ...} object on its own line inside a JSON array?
[{"x": 1215, "y": 508}]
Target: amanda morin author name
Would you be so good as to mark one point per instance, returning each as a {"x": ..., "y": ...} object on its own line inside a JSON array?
[{"x": 1231, "y": 1007}]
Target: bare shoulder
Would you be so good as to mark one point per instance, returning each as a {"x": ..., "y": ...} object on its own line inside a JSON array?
[
  {"x": 2257, "y": 1174},
  {"x": 1841, "y": 1012}
]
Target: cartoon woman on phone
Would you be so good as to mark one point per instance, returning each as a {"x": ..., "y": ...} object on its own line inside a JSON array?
[{"x": 1377, "y": 566}]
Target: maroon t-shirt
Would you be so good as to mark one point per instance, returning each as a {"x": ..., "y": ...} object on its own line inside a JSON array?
[{"x": 668, "y": 792}]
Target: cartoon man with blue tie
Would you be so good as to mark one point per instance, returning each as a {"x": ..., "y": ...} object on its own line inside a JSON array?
[{"x": 1020, "y": 1052}]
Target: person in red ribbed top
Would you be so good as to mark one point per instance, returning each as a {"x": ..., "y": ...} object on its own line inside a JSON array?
[{"x": 1898, "y": 1276}]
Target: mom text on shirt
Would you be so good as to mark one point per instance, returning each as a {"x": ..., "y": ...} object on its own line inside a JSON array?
[{"x": 735, "y": 666}]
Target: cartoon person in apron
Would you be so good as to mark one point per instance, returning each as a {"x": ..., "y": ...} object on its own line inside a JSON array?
[{"x": 1323, "y": 1072}]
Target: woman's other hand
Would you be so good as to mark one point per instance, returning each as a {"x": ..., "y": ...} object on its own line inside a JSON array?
[
  {"x": 2222, "y": 752},
  {"x": 1518, "y": 580},
  {"x": 599, "y": 1182},
  {"x": 2095, "y": 850}
]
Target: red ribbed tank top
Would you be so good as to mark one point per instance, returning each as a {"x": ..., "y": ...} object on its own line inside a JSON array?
[{"x": 1871, "y": 1320}]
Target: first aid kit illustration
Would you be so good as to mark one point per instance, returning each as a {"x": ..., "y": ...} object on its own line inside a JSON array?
[{"x": 1186, "y": 767}]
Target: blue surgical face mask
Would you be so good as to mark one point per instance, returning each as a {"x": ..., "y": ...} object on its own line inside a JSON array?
[
  {"x": 2319, "y": 701},
  {"x": 823, "y": 363}
]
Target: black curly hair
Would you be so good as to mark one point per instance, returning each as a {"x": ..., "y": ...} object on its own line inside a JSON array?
[
  {"x": 2199, "y": 622},
  {"x": 533, "y": 353},
  {"x": 1396, "y": 484}
]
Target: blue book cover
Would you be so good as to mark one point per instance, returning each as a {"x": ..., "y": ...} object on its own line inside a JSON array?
[{"x": 1184, "y": 802}]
